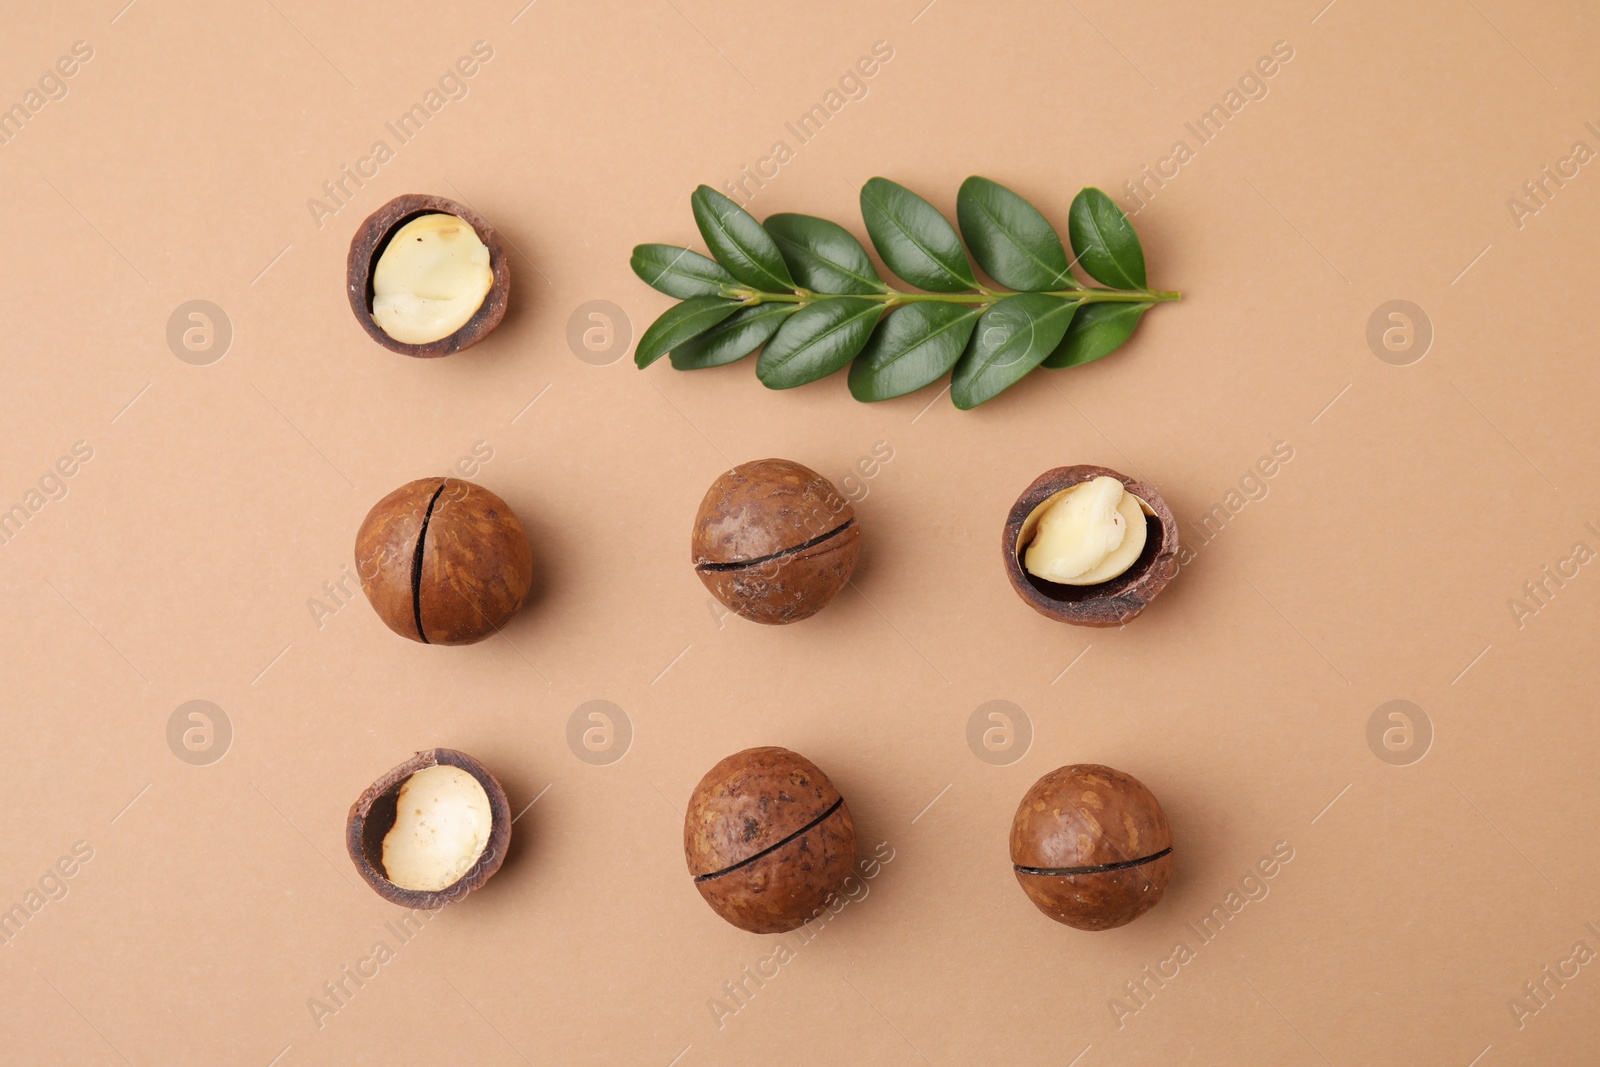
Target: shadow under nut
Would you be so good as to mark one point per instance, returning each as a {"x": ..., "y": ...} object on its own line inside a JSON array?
[{"x": 1110, "y": 603}]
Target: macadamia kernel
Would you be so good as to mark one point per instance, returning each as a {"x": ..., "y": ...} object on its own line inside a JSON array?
[
  {"x": 430, "y": 280},
  {"x": 1087, "y": 534},
  {"x": 441, "y": 827}
]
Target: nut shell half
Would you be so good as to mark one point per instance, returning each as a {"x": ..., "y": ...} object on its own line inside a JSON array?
[
  {"x": 373, "y": 236},
  {"x": 774, "y": 541},
  {"x": 373, "y": 814},
  {"x": 768, "y": 840},
  {"x": 1091, "y": 847},
  {"x": 1111, "y": 603}
]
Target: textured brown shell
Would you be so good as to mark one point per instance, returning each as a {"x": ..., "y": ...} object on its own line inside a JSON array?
[
  {"x": 1109, "y": 603},
  {"x": 373, "y": 814},
  {"x": 768, "y": 839},
  {"x": 373, "y": 236},
  {"x": 386, "y": 545},
  {"x": 476, "y": 565},
  {"x": 774, "y": 541},
  {"x": 1086, "y": 816}
]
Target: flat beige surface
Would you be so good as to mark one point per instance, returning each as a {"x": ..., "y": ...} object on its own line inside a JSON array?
[{"x": 185, "y": 558}]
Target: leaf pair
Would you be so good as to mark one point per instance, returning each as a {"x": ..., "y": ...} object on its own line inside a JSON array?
[{"x": 806, "y": 290}]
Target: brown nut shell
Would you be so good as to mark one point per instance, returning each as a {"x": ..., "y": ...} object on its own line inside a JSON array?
[
  {"x": 444, "y": 561},
  {"x": 768, "y": 840},
  {"x": 373, "y": 814},
  {"x": 774, "y": 541},
  {"x": 373, "y": 236},
  {"x": 1110, "y": 603},
  {"x": 1091, "y": 847}
]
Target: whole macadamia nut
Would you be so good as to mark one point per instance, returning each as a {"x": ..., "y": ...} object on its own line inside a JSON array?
[
  {"x": 774, "y": 541},
  {"x": 443, "y": 561},
  {"x": 768, "y": 840},
  {"x": 1091, "y": 847}
]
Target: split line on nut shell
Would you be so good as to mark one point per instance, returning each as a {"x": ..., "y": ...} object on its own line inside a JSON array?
[
  {"x": 416, "y": 562},
  {"x": 771, "y": 556},
  {"x": 807, "y": 828},
  {"x": 1097, "y": 868}
]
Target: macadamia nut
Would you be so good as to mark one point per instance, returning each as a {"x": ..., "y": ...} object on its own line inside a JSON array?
[
  {"x": 441, "y": 827},
  {"x": 1087, "y": 534},
  {"x": 430, "y": 280}
]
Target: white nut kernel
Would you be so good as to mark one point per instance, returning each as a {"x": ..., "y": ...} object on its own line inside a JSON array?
[
  {"x": 441, "y": 827},
  {"x": 430, "y": 280},
  {"x": 1087, "y": 534}
]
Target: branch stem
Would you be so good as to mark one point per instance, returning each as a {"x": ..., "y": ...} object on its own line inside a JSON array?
[{"x": 894, "y": 298}]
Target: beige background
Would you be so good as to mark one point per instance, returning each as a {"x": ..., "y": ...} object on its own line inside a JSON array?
[{"x": 182, "y": 560}]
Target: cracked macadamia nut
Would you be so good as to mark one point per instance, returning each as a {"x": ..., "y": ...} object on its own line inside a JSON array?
[
  {"x": 440, "y": 829},
  {"x": 1087, "y": 545},
  {"x": 430, "y": 280},
  {"x": 427, "y": 276},
  {"x": 443, "y": 561},
  {"x": 430, "y": 830},
  {"x": 774, "y": 541},
  {"x": 768, "y": 840},
  {"x": 1091, "y": 847}
]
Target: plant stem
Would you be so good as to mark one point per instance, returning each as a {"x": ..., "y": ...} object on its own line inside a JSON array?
[{"x": 894, "y": 298}]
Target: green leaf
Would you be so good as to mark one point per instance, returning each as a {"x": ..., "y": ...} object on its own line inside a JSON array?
[
  {"x": 733, "y": 338},
  {"x": 816, "y": 341},
  {"x": 915, "y": 346},
  {"x": 679, "y": 323},
  {"x": 739, "y": 242},
  {"x": 916, "y": 242},
  {"x": 823, "y": 256},
  {"x": 679, "y": 272},
  {"x": 1010, "y": 239},
  {"x": 1104, "y": 241},
  {"x": 1011, "y": 339},
  {"x": 1096, "y": 330}
]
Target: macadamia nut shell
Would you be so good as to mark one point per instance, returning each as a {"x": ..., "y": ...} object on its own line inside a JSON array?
[
  {"x": 768, "y": 840},
  {"x": 373, "y": 236},
  {"x": 1091, "y": 847},
  {"x": 774, "y": 541},
  {"x": 1110, "y": 603}
]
